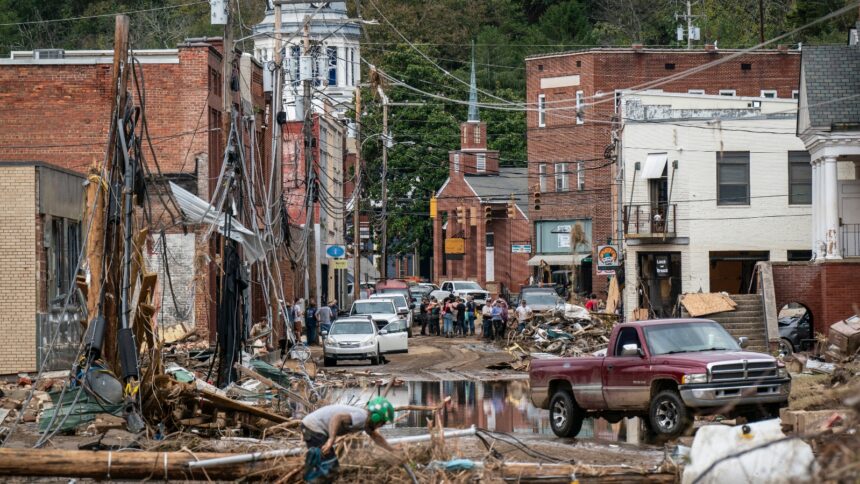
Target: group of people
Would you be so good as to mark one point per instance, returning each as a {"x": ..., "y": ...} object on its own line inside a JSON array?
[
  {"x": 453, "y": 316},
  {"x": 307, "y": 317}
]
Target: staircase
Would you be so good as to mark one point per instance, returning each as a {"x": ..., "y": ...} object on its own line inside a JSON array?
[{"x": 746, "y": 320}]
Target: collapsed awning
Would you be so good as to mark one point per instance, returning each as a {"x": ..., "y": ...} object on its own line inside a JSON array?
[
  {"x": 559, "y": 259},
  {"x": 199, "y": 211},
  {"x": 655, "y": 163}
]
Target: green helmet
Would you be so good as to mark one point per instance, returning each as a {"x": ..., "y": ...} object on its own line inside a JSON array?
[{"x": 381, "y": 410}]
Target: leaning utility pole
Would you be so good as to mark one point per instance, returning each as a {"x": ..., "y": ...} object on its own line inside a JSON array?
[
  {"x": 306, "y": 74},
  {"x": 383, "y": 269},
  {"x": 356, "y": 198}
]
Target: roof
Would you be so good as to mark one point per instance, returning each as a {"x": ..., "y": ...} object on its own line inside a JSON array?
[
  {"x": 654, "y": 50},
  {"x": 498, "y": 188},
  {"x": 830, "y": 72}
]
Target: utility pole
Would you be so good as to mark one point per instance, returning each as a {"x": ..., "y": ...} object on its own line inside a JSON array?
[
  {"x": 306, "y": 74},
  {"x": 692, "y": 31},
  {"x": 385, "y": 138},
  {"x": 689, "y": 25},
  {"x": 356, "y": 216},
  {"x": 226, "y": 77},
  {"x": 275, "y": 183},
  {"x": 761, "y": 21}
]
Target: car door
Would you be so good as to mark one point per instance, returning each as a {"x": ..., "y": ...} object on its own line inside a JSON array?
[
  {"x": 625, "y": 377},
  {"x": 395, "y": 339}
]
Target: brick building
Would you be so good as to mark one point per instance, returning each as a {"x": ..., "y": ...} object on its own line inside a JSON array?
[
  {"x": 484, "y": 205},
  {"x": 573, "y": 98},
  {"x": 57, "y": 109},
  {"x": 39, "y": 245}
]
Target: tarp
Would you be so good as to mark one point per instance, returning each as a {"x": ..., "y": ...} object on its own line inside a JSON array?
[
  {"x": 654, "y": 165},
  {"x": 199, "y": 211},
  {"x": 559, "y": 259}
]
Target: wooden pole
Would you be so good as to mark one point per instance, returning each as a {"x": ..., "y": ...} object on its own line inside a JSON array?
[
  {"x": 123, "y": 465},
  {"x": 95, "y": 249},
  {"x": 356, "y": 202}
]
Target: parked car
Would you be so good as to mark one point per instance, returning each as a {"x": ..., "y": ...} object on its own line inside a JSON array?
[
  {"x": 540, "y": 299},
  {"x": 430, "y": 287},
  {"x": 404, "y": 308},
  {"x": 462, "y": 289},
  {"x": 357, "y": 338},
  {"x": 381, "y": 311},
  {"x": 666, "y": 371},
  {"x": 795, "y": 333}
]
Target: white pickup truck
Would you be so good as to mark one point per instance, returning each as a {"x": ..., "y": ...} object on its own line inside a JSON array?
[{"x": 462, "y": 289}]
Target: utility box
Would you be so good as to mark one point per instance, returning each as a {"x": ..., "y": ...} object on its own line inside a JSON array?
[{"x": 218, "y": 12}]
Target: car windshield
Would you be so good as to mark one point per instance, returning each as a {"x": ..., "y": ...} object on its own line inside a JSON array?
[
  {"x": 398, "y": 299},
  {"x": 351, "y": 327},
  {"x": 541, "y": 299},
  {"x": 467, "y": 286},
  {"x": 373, "y": 307},
  {"x": 664, "y": 339}
]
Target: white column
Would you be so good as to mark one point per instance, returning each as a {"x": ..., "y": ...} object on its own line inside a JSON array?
[
  {"x": 831, "y": 209},
  {"x": 341, "y": 66},
  {"x": 816, "y": 209},
  {"x": 820, "y": 229}
]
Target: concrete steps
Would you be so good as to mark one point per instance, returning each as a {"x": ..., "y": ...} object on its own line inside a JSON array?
[{"x": 746, "y": 320}]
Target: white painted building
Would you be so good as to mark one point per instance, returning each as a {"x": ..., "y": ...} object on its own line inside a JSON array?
[
  {"x": 711, "y": 185},
  {"x": 334, "y": 41}
]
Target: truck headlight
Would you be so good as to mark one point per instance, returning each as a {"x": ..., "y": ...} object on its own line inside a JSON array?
[
  {"x": 782, "y": 372},
  {"x": 694, "y": 378},
  {"x": 330, "y": 342}
]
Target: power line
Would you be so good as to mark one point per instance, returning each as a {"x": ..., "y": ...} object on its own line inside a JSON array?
[{"x": 103, "y": 15}]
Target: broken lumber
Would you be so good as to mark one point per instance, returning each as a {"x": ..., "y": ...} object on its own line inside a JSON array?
[
  {"x": 529, "y": 471},
  {"x": 109, "y": 465},
  {"x": 271, "y": 384}
]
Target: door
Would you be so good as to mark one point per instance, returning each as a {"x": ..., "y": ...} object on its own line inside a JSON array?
[
  {"x": 396, "y": 338},
  {"x": 849, "y": 217},
  {"x": 625, "y": 378}
]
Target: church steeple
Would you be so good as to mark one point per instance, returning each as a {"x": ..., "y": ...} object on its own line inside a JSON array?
[{"x": 473, "y": 92}]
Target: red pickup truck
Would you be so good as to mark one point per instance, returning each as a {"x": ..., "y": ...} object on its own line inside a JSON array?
[{"x": 666, "y": 371}]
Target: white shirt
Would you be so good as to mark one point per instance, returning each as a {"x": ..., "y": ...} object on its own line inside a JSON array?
[{"x": 524, "y": 313}]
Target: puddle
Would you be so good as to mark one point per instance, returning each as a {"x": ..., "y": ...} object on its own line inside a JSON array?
[{"x": 500, "y": 406}]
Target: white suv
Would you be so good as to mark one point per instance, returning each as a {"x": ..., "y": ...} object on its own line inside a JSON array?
[
  {"x": 357, "y": 338},
  {"x": 401, "y": 304}
]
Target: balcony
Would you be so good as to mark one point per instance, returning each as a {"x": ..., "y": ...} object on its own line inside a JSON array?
[
  {"x": 650, "y": 221},
  {"x": 849, "y": 239}
]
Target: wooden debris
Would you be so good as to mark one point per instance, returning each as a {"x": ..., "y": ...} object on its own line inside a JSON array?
[{"x": 701, "y": 304}]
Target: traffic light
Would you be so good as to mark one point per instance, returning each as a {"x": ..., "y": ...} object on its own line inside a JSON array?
[
  {"x": 461, "y": 215},
  {"x": 473, "y": 216},
  {"x": 537, "y": 201},
  {"x": 511, "y": 209},
  {"x": 488, "y": 213}
]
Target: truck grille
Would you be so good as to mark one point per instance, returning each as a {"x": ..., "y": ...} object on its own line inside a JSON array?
[{"x": 743, "y": 370}]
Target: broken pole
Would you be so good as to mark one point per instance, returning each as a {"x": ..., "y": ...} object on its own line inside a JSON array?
[{"x": 106, "y": 465}]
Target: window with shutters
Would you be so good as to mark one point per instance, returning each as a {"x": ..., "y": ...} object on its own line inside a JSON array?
[
  {"x": 561, "y": 177},
  {"x": 733, "y": 178},
  {"x": 542, "y": 177},
  {"x": 580, "y": 175},
  {"x": 541, "y": 111}
]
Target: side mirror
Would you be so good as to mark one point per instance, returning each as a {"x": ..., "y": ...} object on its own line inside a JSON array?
[
  {"x": 632, "y": 349},
  {"x": 743, "y": 341},
  {"x": 383, "y": 331},
  {"x": 324, "y": 333},
  {"x": 403, "y": 312}
]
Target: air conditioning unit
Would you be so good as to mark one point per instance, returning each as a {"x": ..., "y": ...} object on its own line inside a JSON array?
[{"x": 49, "y": 54}]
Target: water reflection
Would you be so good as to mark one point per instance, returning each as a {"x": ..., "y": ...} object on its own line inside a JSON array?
[{"x": 501, "y": 406}]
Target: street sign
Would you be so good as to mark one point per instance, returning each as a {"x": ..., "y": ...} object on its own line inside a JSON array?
[
  {"x": 339, "y": 264},
  {"x": 521, "y": 248},
  {"x": 335, "y": 251},
  {"x": 455, "y": 245}
]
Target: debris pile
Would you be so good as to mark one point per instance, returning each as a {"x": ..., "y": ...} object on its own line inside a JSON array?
[{"x": 568, "y": 330}]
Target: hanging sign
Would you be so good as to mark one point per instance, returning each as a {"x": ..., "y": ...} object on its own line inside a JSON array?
[
  {"x": 340, "y": 264},
  {"x": 608, "y": 259},
  {"x": 455, "y": 245},
  {"x": 335, "y": 251}
]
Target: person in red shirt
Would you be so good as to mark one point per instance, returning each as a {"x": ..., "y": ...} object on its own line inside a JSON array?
[{"x": 592, "y": 303}]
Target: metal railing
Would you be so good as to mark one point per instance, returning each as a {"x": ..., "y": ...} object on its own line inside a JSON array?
[
  {"x": 849, "y": 238},
  {"x": 650, "y": 219}
]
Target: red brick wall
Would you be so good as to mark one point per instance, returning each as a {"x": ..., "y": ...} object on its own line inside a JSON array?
[
  {"x": 601, "y": 72},
  {"x": 830, "y": 290}
]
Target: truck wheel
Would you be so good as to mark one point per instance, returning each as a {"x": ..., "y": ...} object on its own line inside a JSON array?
[
  {"x": 565, "y": 416},
  {"x": 377, "y": 360},
  {"x": 668, "y": 415}
]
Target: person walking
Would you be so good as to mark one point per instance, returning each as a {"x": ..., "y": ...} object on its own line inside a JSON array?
[
  {"x": 524, "y": 315},
  {"x": 460, "y": 317},
  {"x": 298, "y": 318},
  {"x": 324, "y": 318},
  {"x": 498, "y": 323},
  {"x": 470, "y": 315},
  {"x": 311, "y": 322}
]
